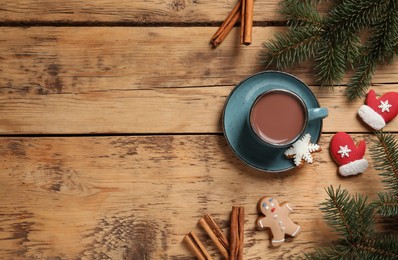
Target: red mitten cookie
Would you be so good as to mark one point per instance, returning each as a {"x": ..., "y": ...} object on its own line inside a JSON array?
[
  {"x": 348, "y": 155},
  {"x": 379, "y": 111}
]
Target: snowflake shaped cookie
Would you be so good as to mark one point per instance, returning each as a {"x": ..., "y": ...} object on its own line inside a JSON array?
[{"x": 302, "y": 149}]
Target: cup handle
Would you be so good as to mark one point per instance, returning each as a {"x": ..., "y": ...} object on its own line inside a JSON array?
[{"x": 317, "y": 113}]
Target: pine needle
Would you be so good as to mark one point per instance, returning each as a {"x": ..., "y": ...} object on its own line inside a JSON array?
[
  {"x": 349, "y": 215},
  {"x": 385, "y": 156},
  {"x": 290, "y": 48},
  {"x": 333, "y": 41},
  {"x": 353, "y": 219},
  {"x": 379, "y": 49},
  {"x": 361, "y": 80},
  {"x": 301, "y": 13},
  {"x": 377, "y": 246},
  {"x": 387, "y": 205},
  {"x": 330, "y": 62}
]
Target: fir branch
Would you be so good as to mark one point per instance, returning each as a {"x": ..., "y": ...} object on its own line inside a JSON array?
[
  {"x": 290, "y": 48},
  {"x": 354, "y": 221},
  {"x": 378, "y": 49},
  {"x": 385, "y": 157},
  {"x": 335, "y": 213},
  {"x": 338, "y": 250},
  {"x": 373, "y": 246},
  {"x": 361, "y": 80},
  {"x": 352, "y": 45},
  {"x": 350, "y": 216},
  {"x": 377, "y": 246},
  {"x": 340, "y": 40},
  {"x": 321, "y": 1},
  {"x": 380, "y": 46},
  {"x": 330, "y": 61},
  {"x": 301, "y": 13},
  {"x": 334, "y": 42},
  {"x": 352, "y": 15},
  {"x": 387, "y": 205},
  {"x": 365, "y": 217}
]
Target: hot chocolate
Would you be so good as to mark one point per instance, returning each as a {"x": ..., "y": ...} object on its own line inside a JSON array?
[{"x": 278, "y": 117}]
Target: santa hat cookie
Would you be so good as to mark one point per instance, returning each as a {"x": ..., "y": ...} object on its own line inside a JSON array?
[
  {"x": 379, "y": 111},
  {"x": 348, "y": 155}
]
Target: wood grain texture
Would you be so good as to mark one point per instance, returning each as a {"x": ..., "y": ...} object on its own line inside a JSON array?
[
  {"x": 46, "y": 60},
  {"x": 136, "y": 197},
  {"x": 138, "y": 80},
  {"x": 167, "y": 110},
  {"x": 139, "y": 11},
  {"x": 145, "y": 69}
]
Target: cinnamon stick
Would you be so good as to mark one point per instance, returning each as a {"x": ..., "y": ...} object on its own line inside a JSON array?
[
  {"x": 227, "y": 25},
  {"x": 242, "y": 21},
  {"x": 237, "y": 233},
  {"x": 197, "y": 247},
  {"x": 241, "y": 231},
  {"x": 216, "y": 234},
  {"x": 246, "y": 22}
]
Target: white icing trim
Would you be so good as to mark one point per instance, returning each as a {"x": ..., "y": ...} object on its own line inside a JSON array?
[
  {"x": 353, "y": 168},
  {"x": 277, "y": 241},
  {"x": 261, "y": 224},
  {"x": 287, "y": 205},
  {"x": 371, "y": 117},
  {"x": 298, "y": 230}
]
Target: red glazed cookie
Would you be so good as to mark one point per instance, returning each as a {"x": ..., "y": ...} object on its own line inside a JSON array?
[
  {"x": 379, "y": 111},
  {"x": 347, "y": 155},
  {"x": 276, "y": 217}
]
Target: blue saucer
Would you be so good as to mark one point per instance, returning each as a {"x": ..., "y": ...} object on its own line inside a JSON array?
[{"x": 236, "y": 129}]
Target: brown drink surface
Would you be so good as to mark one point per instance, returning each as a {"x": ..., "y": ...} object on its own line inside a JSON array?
[{"x": 278, "y": 117}]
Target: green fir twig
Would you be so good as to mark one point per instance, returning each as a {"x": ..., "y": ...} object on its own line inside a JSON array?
[
  {"x": 353, "y": 219},
  {"x": 283, "y": 51},
  {"x": 387, "y": 204},
  {"x": 350, "y": 216},
  {"x": 379, "y": 49},
  {"x": 334, "y": 40},
  {"x": 385, "y": 158}
]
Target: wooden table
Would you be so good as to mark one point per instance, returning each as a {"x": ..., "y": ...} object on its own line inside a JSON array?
[{"x": 111, "y": 140}]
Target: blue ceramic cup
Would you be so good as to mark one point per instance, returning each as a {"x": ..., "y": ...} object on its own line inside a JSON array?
[{"x": 279, "y": 117}]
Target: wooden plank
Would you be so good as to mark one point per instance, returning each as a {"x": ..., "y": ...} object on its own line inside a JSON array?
[
  {"x": 45, "y": 60},
  {"x": 136, "y": 197},
  {"x": 138, "y": 111},
  {"x": 167, "y": 110},
  {"x": 126, "y": 11}
]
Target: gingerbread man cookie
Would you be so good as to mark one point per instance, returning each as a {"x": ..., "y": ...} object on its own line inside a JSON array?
[{"x": 276, "y": 217}]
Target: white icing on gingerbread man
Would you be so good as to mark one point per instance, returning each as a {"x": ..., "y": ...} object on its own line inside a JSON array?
[{"x": 276, "y": 217}]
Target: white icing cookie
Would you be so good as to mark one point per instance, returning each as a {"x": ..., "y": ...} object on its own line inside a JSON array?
[{"x": 302, "y": 150}]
